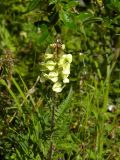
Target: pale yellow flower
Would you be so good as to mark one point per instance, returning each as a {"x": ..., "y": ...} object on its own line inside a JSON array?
[
  {"x": 66, "y": 80},
  {"x": 66, "y": 69},
  {"x": 66, "y": 58},
  {"x": 57, "y": 87},
  {"x": 53, "y": 76},
  {"x": 50, "y": 65}
]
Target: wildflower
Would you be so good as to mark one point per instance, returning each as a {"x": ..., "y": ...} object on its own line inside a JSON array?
[
  {"x": 53, "y": 76},
  {"x": 57, "y": 87},
  {"x": 66, "y": 80},
  {"x": 65, "y": 59},
  {"x": 56, "y": 67},
  {"x": 66, "y": 69},
  {"x": 50, "y": 65}
]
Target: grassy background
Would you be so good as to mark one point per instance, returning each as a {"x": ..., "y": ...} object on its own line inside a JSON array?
[{"x": 85, "y": 128}]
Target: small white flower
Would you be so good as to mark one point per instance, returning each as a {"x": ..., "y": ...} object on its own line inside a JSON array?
[
  {"x": 53, "y": 76},
  {"x": 50, "y": 65},
  {"x": 48, "y": 56},
  {"x": 57, "y": 87},
  {"x": 66, "y": 80}
]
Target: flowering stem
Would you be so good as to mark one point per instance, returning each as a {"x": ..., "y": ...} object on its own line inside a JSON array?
[{"x": 52, "y": 127}]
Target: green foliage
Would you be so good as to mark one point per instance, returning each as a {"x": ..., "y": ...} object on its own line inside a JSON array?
[{"x": 77, "y": 123}]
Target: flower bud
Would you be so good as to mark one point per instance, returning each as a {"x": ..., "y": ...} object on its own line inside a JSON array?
[
  {"x": 53, "y": 45},
  {"x": 48, "y": 56}
]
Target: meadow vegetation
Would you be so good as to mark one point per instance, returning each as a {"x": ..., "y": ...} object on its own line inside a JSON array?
[{"x": 59, "y": 80}]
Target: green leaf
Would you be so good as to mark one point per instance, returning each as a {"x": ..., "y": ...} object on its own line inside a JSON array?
[
  {"x": 84, "y": 16},
  {"x": 19, "y": 89},
  {"x": 44, "y": 34},
  {"x": 64, "y": 105},
  {"x": 33, "y": 4},
  {"x": 16, "y": 99},
  {"x": 66, "y": 19},
  {"x": 24, "y": 146},
  {"x": 92, "y": 20}
]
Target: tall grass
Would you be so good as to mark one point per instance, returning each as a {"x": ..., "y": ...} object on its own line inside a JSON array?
[{"x": 83, "y": 129}]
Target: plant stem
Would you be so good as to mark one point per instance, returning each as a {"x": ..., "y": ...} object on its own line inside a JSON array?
[{"x": 52, "y": 130}]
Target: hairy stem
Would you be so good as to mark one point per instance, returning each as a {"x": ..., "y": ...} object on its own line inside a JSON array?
[{"x": 52, "y": 129}]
